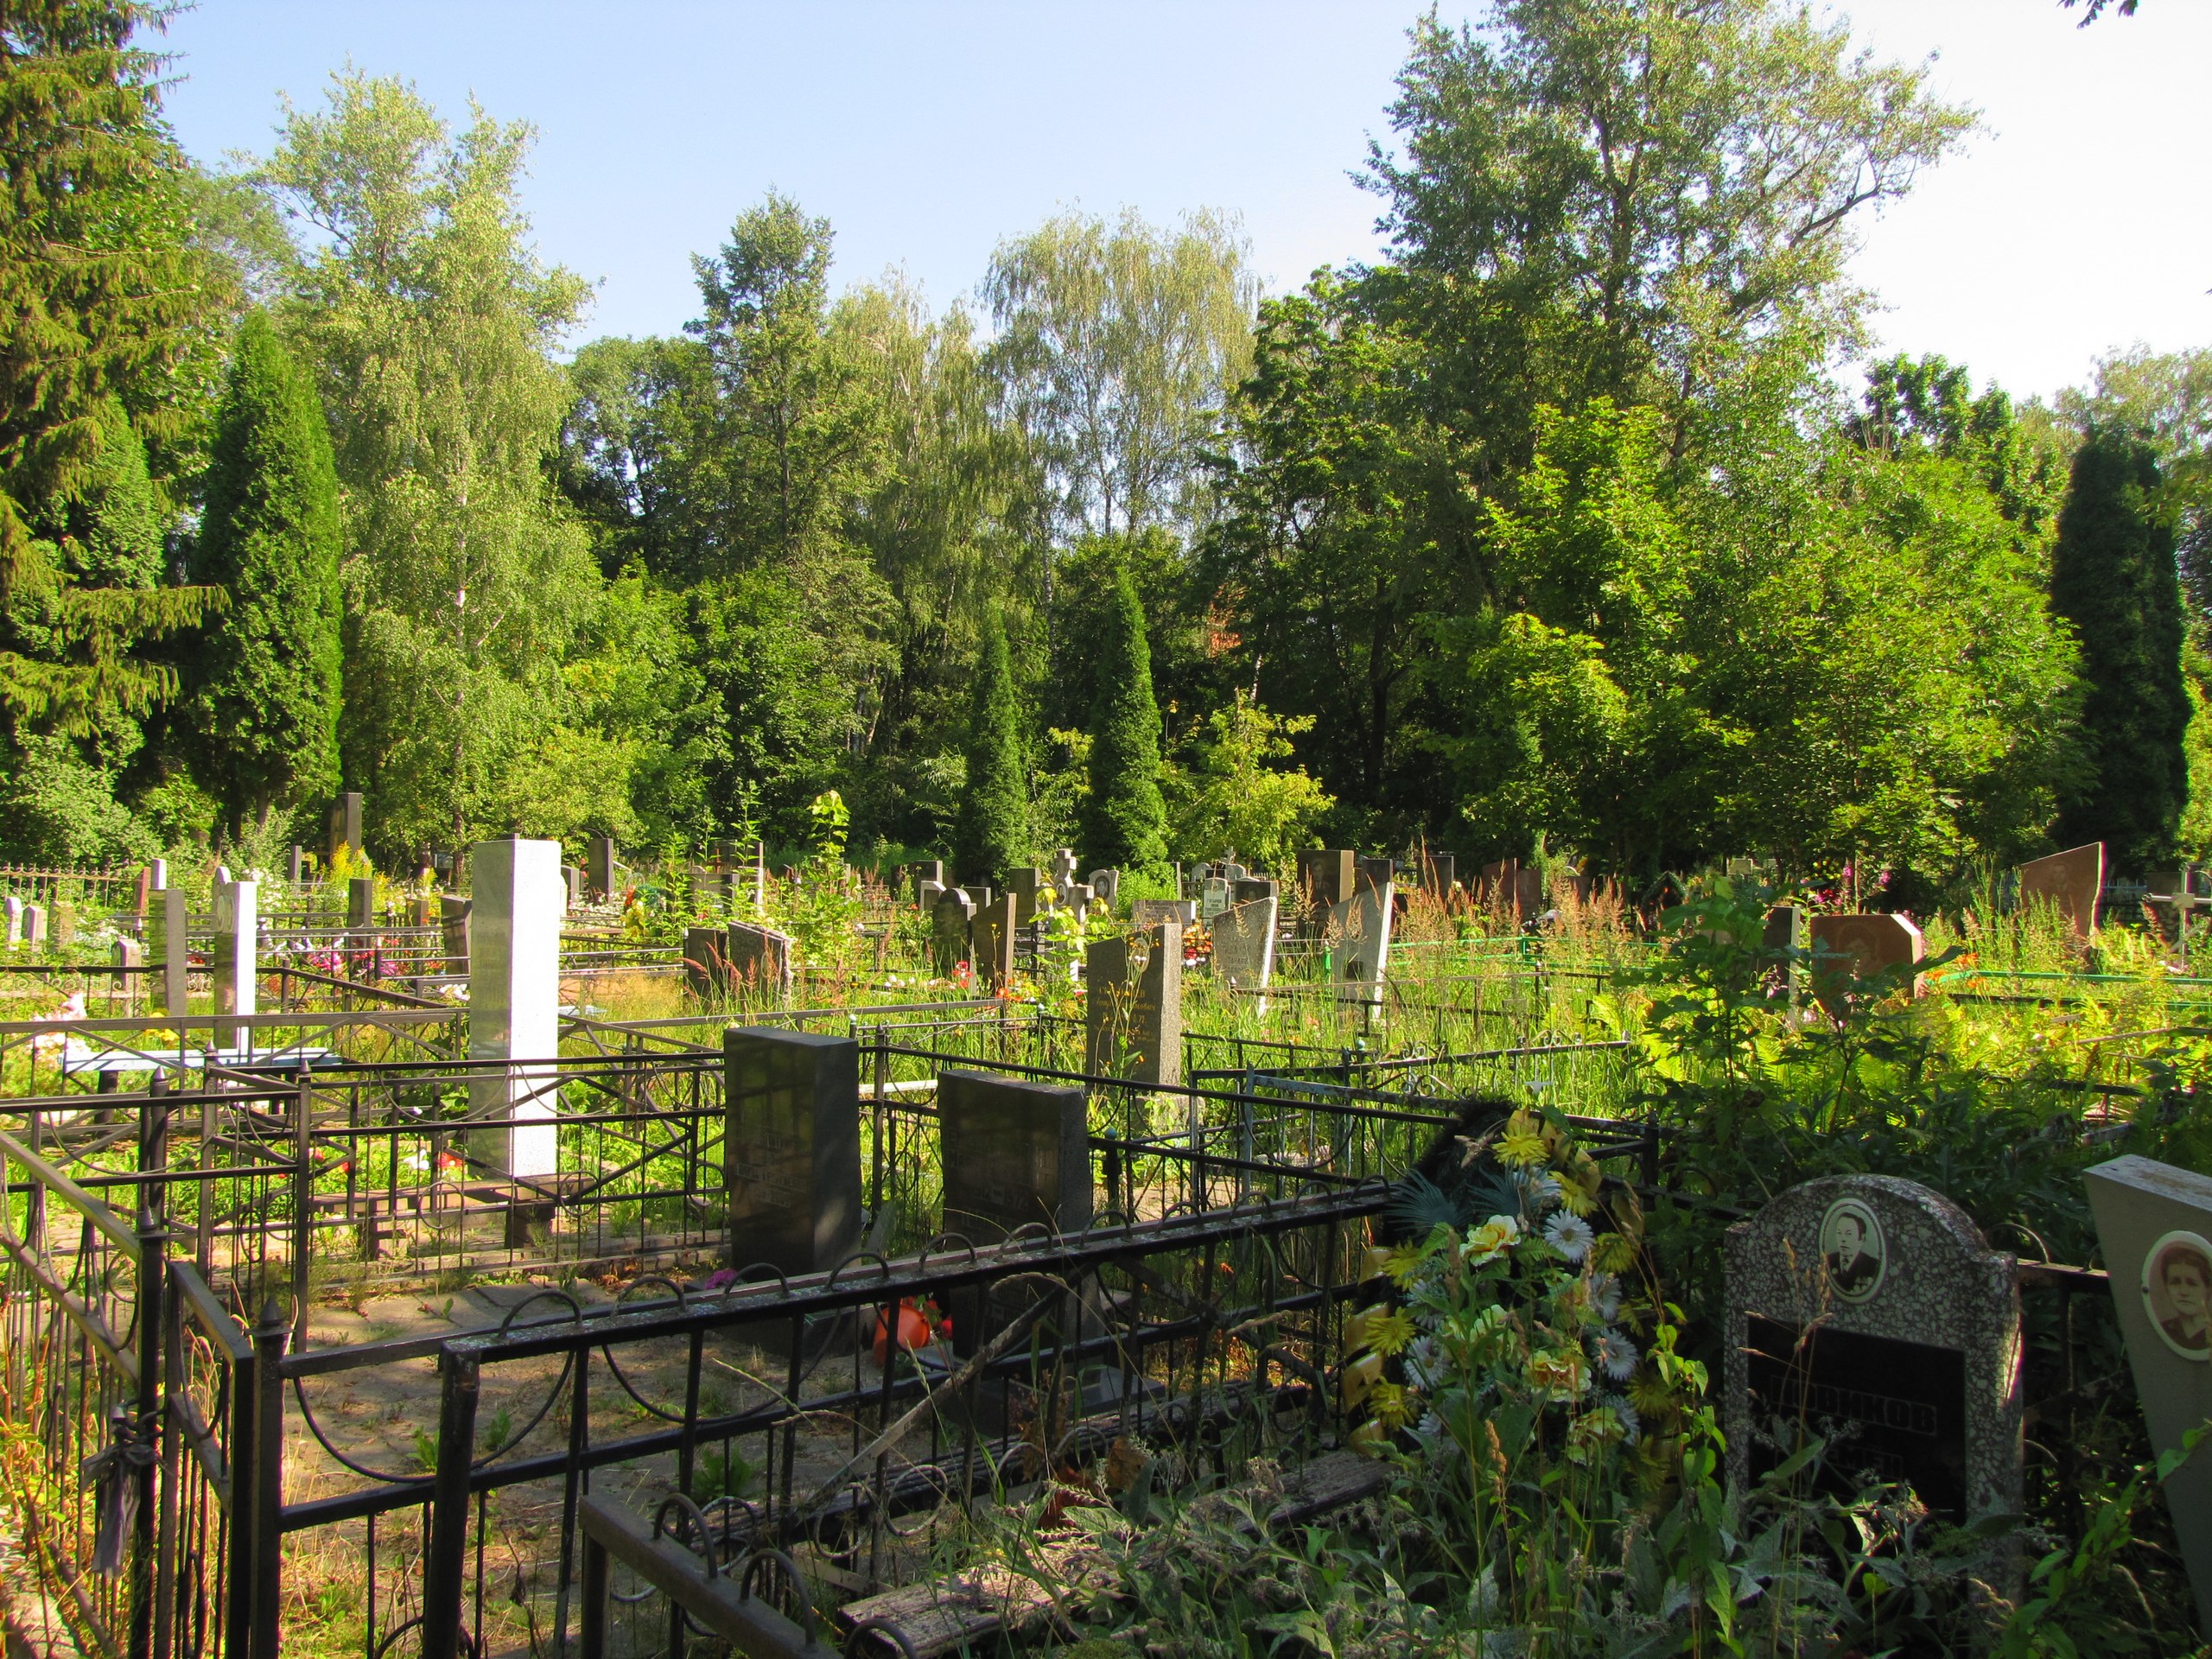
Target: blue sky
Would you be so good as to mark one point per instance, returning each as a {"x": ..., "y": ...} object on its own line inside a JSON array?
[{"x": 927, "y": 132}]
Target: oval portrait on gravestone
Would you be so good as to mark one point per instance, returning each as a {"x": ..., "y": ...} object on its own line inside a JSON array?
[
  {"x": 2178, "y": 1293},
  {"x": 1853, "y": 1250}
]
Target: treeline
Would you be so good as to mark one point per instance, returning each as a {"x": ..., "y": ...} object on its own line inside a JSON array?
[{"x": 1566, "y": 531}]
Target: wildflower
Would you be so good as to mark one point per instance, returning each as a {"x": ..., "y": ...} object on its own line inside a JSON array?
[
  {"x": 1618, "y": 1355},
  {"x": 1570, "y": 1235},
  {"x": 1494, "y": 1236}
]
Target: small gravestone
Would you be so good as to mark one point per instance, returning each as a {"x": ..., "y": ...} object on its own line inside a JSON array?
[
  {"x": 1375, "y": 873},
  {"x": 705, "y": 967},
  {"x": 1214, "y": 898},
  {"x": 950, "y": 918},
  {"x": 1245, "y": 889},
  {"x": 928, "y": 875},
  {"x": 1244, "y": 945},
  {"x": 1871, "y": 1311},
  {"x": 1864, "y": 945},
  {"x": 792, "y": 1147},
  {"x": 65, "y": 924},
  {"x": 1022, "y": 884},
  {"x": 759, "y": 959},
  {"x": 1326, "y": 878},
  {"x": 35, "y": 926},
  {"x": 978, "y": 894},
  {"x": 1357, "y": 933},
  {"x": 1016, "y": 1154},
  {"x": 236, "y": 940},
  {"x": 2070, "y": 882},
  {"x": 1515, "y": 888},
  {"x": 346, "y": 825},
  {"x": 361, "y": 901},
  {"x": 599, "y": 867},
  {"x": 992, "y": 939},
  {"x": 131, "y": 958},
  {"x": 1132, "y": 1007},
  {"x": 1151, "y": 912},
  {"x": 12, "y": 908},
  {"x": 295, "y": 864},
  {"x": 1107, "y": 884},
  {"x": 1439, "y": 873},
  {"x": 2154, "y": 1223},
  {"x": 927, "y": 892},
  {"x": 453, "y": 931},
  {"x": 573, "y": 875}
]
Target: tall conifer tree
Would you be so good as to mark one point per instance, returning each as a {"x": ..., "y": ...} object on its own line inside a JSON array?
[
  {"x": 1125, "y": 823},
  {"x": 268, "y": 693},
  {"x": 992, "y": 834},
  {"x": 2113, "y": 576}
]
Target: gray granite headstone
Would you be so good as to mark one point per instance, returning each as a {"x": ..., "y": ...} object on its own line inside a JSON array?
[
  {"x": 927, "y": 892},
  {"x": 792, "y": 1147},
  {"x": 1132, "y": 1007},
  {"x": 706, "y": 964},
  {"x": 35, "y": 926},
  {"x": 1015, "y": 1153},
  {"x": 992, "y": 940},
  {"x": 1787, "y": 930},
  {"x": 573, "y": 875},
  {"x": 927, "y": 875},
  {"x": 1357, "y": 934},
  {"x": 951, "y": 918},
  {"x": 170, "y": 927},
  {"x": 294, "y": 865},
  {"x": 1439, "y": 873},
  {"x": 1244, "y": 944},
  {"x": 2154, "y": 1223},
  {"x": 1871, "y": 1311},
  {"x": 361, "y": 901},
  {"x": 128, "y": 954},
  {"x": 12, "y": 908},
  {"x": 978, "y": 893},
  {"x": 1151, "y": 912},
  {"x": 1107, "y": 884},
  {"x": 759, "y": 959}
]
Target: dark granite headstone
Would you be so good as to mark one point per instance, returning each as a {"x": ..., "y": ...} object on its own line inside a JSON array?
[
  {"x": 361, "y": 901},
  {"x": 706, "y": 964},
  {"x": 453, "y": 927},
  {"x": 1326, "y": 878},
  {"x": 1787, "y": 929},
  {"x": 1151, "y": 912},
  {"x": 950, "y": 918},
  {"x": 1246, "y": 888},
  {"x": 1132, "y": 1007},
  {"x": 2069, "y": 882},
  {"x": 929, "y": 871},
  {"x": 346, "y": 824},
  {"x": 599, "y": 867},
  {"x": 792, "y": 1141},
  {"x": 759, "y": 959},
  {"x": 1022, "y": 884},
  {"x": 1871, "y": 1311},
  {"x": 1015, "y": 1153}
]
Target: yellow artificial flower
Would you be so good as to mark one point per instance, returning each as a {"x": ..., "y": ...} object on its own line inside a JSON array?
[
  {"x": 1389, "y": 1405},
  {"x": 1494, "y": 1236},
  {"x": 1390, "y": 1333},
  {"x": 1612, "y": 1253}
]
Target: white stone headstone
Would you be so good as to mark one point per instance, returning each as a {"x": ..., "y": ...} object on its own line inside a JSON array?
[
  {"x": 173, "y": 945},
  {"x": 34, "y": 924},
  {"x": 514, "y": 1000},
  {"x": 1213, "y": 899}
]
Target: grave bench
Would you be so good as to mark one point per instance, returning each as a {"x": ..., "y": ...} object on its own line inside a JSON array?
[{"x": 943, "y": 1615}]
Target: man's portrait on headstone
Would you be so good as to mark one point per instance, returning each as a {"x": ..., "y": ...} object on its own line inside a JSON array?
[
  {"x": 2178, "y": 1293},
  {"x": 1853, "y": 1249}
]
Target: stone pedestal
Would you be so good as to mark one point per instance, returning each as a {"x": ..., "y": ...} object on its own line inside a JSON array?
[
  {"x": 514, "y": 992},
  {"x": 1132, "y": 1007},
  {"x": 792, "y": 1141}
]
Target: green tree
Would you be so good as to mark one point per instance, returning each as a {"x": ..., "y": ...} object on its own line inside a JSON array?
[
  {"x": 103, "y": 304},
  {"x": 2113, "y": 576},
  {"x": 1124, "y": 820},
  {"x": 267, "y": 700},
  {"x": 991, "y": 835},
  {"x": 430, "y": 324}
]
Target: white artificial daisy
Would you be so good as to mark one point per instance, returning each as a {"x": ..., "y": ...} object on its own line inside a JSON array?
[
  {"x": 1569, "y": 1235},
  {"x": 1543, "y": 1190},
  {"x": 1421, "y": 1362},
  {"x": 1605, "y": 1296},
  {"x": 1618, "y": 1355}
]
